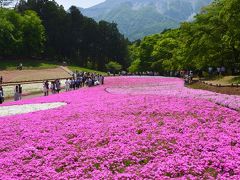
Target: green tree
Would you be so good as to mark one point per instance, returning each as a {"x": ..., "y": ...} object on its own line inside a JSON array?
[
  {"x": 113, "y": 66},
  {"x": 10, "y": 36},
  {"x": 163, "y": 51},
  {"x": 230, "y": 16},
  {"x": 21, "y": 35},
  {"x": 33, "y": 34},
  {"x": 135, "y": 66}
]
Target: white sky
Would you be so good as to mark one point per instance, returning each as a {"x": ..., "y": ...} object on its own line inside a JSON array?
[{"x": 78, "y": 3}]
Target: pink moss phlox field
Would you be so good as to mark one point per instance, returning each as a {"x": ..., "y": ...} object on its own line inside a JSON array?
[
  {"x": 130, "y": 128},
  {"x": 174, "y": 87}
]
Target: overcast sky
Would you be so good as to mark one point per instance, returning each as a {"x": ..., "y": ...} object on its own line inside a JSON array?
[{"x": 78, "y": 3}]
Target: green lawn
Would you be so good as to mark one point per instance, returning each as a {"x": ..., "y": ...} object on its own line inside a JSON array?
[
  {"x": 236, "y": 80},
  {"x": 37, "y": 64},
  {"x": 27, "y": 64},
  {"x": 225, "y": 80}
]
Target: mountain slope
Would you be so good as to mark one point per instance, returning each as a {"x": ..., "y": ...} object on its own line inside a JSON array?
[{"x": 138, "y": 18}]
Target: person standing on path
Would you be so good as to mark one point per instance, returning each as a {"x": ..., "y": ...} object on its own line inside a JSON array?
[
  {"x": 45, "y": 90},
  {"x": 16, "y": 93},
  {"x": 58, "y": 85},
  {"x": 20, "y": 91},
  {"x": 53, "y": 87},
  {"x": 72, "y": 85},
  {"x": 47, "y": 87},
  {"x": 1, "y": 95},
  {"x": 67, "y": 85},
  {"x": 102, "y": 79}
]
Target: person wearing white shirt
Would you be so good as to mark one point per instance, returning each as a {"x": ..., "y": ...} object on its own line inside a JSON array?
[{"x": 67, "y": 85}]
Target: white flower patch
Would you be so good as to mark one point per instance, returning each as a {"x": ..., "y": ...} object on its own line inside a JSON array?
[{"x": 27, "y": 108}]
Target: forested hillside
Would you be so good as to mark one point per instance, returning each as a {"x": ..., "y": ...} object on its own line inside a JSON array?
[
  {"x": 138, "y": 18},
  {"x": 211, "y": 40},
  {"x": 43, "y": 29}
]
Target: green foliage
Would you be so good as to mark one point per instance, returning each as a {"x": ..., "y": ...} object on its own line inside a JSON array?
[
  {"x": 113, "y": 66},
  {"x": 235, "y": 80},
  {"x": 72, "y": 37},
  {"x": 155, "y": 52},
  {"x": 211, "y": 40},
  {"x": 134, "y": 66},
  {"x": 10, "y": 64},
  {"x": 33, "y": 34},
  {"x": 20, "y": 34},
  {"x": 81, "y": 69}
]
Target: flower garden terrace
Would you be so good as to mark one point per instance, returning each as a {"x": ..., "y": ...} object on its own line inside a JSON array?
[{"x": 131, "y": 127}]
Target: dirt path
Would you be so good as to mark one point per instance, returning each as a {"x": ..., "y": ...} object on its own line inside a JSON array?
[
  {"x": 221, "y": 90},
  {"x": 25, "y": 97},
  {"x": 34, "y": 75},
  {"x": 225, "y": 81}
]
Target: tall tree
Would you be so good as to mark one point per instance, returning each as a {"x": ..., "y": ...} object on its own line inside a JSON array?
[
  {"x": 21, "y": 35},
  {"x": 33, "y": 34}
]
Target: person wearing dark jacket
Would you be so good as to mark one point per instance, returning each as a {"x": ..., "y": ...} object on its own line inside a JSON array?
[
  {"x": 20, "y": 91},
  {"x": 1, "y": 95}
]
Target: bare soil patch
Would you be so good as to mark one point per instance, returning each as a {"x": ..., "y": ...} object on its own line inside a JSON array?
[{"x": 33, "y": 75}]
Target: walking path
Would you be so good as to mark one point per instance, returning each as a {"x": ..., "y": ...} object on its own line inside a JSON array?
[
  {"x": 30, "y": 96},
  {"x": 66, "y": 70},
  {"x": 225, "y": 81},
  {"x": 34, "y": 75},
  {"x": 28, "y": 89}
]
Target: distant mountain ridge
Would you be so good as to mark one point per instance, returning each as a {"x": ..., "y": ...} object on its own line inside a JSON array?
[{"x": 138, "y": 18}]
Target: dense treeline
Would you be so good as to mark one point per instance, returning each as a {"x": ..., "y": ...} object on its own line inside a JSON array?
[
  {"x": 65, "y": 35},
  {"x": 211, "y": 40}
]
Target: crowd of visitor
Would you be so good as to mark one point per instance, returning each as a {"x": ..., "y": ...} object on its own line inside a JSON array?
[
  {"x": 78, "y": 80},
  {"x": 147, "y": 73},
  {"x": 53, "y": 86},
  {"x": 216, "y": 71},
  {"x": 83, "y": 79},
  {"x": 188, "y": 77}
]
